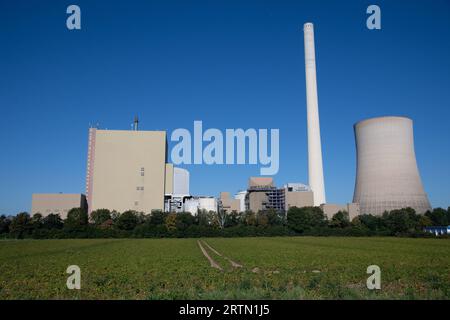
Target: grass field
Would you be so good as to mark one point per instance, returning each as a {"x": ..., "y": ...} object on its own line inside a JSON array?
[{"x": 272, "y": 268}]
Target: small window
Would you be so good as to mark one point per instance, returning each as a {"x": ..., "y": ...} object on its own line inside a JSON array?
[
  {"x": 142, "y": 174},
  {"x": 136, "y": 203}
]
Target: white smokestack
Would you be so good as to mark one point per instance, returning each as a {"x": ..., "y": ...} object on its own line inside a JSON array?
[{"x": 315, "y": 169}]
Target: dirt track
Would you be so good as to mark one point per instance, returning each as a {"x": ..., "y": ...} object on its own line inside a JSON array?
[
  {"x": 233, "y": 264},
  {"x": 213, "y": 263}
]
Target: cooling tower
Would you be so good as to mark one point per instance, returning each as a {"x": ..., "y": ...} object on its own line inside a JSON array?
[
  {"x": 315, "y": 168},
  {"x": 387, "y": 176}
]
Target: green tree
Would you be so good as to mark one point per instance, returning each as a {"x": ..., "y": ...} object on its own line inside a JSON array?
[
  {"x": 115, "y": 216},
  {"x": 100, "y": 216},
  {"x": 425, "y": 221},
  {"x": 233, "y": 219},
  {"x": 52, "y": 221},
  {"x": 371, "y": 222},
  {"x": 274, "y": 219},
  {"x": 127, "y": 220},
  {"x": 37, "y": 221},
  {"x": 77, "y": 219},
  {"x": 184, "y": 220},
  {"x": 262, "y": 219},
  {"x": 203, "y": 218},
  {"x": 340, "y": 220},
  {"x": 401, "y": 221},
  {"x": 142, "y": 218},
  {"x": 438, "y": 216},
  {"x": 157, "y": 217},
  {"x": 250, "y": 218},
  {"x": 21, "y": 225},
  {"x": 171, "y": 222},
  {"x": 4, "y": 224},
  {"x": 305, "y": 219}
]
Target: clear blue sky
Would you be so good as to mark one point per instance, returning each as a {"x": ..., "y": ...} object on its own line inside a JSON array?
[{"x": 232, "y": 64}]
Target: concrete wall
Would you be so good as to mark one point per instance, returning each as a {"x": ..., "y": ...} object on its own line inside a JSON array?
[
  {"x": 387, "y": 176},
  {"x": 298, "y": 199},
  {"x": 256, "y": 200},
  {"x": 168, "y": 189},
  {"x": 260, "y": 182},
  {"x": 229, "y": 204},
  {"x": 127, "y": 170},
  {"x": 57, "y": 203},
  {"x": 200, "y": 203},
  {"x": 241, "y": 197},
  {"x": 180, "y": 181},
  {"x": 330, "y": 209}
]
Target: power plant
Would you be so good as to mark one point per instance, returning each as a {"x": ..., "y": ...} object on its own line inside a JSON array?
[
  {"x": 129, "y": 170},
  {"x": 387, "y": 176},
  {"x": 315, "y": 167}
]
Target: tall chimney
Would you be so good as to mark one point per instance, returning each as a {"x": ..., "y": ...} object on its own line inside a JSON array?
[
  {"x": 315, "y": 168},
  {"x": 135, "y": 123}
]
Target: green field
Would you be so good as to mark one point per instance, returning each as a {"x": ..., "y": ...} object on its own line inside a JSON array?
[{"x": 272, "y": 268}]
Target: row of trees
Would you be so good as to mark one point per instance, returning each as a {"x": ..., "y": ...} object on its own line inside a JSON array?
[{"x": 297, "y": 221}]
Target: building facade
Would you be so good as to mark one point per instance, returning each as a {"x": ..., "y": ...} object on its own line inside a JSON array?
[
  {"x": 262, "y": 195},
  {"x": 330, "y": 209},
  {"x": 227, "y": 203},
  {"x": 298, "y": 195},
  {"x": 126, "y": 170},
  {"x": 56, "y": 203},
  {"x": 241, "y": 197},
  {"x": 196, "y": 204}
]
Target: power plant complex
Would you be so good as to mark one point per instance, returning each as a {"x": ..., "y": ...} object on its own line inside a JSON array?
[{"x": 129, "y": 170}]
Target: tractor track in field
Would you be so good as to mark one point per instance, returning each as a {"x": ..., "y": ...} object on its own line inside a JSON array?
[
  {"x": 233, "y": 263},
  {"x": 213, "y": 263}
]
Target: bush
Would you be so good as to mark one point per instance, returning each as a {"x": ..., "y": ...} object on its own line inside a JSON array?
[
  {"x": 305, "y": 219},
  {"x": 299, "y": 221},
  {"x": 127, "y": 220}
]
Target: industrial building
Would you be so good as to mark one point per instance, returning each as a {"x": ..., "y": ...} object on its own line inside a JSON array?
[
  {"x": 126, "y": 170},
  {"x": 438, "y": 230},
  {"x": 56, "y": 203},
  {"x": 330, "y": 209},
  {"x": 241, "y": 197},
  {"x": 180, "y": 182},
  {"x": 262, "y": 195},
  {"x": 196, "y": 204},
  {"x": 177, "y": 191},
  {"x": 228, "y": 204},
  {"x": 298, "y": 195},
  {"x": 387, "y": 176}
]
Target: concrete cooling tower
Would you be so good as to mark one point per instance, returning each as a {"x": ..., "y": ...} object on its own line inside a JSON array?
[{"x": 387, "y": 176}]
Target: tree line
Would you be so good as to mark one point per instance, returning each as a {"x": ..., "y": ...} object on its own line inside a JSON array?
[{"x": 104, "y": 223}]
